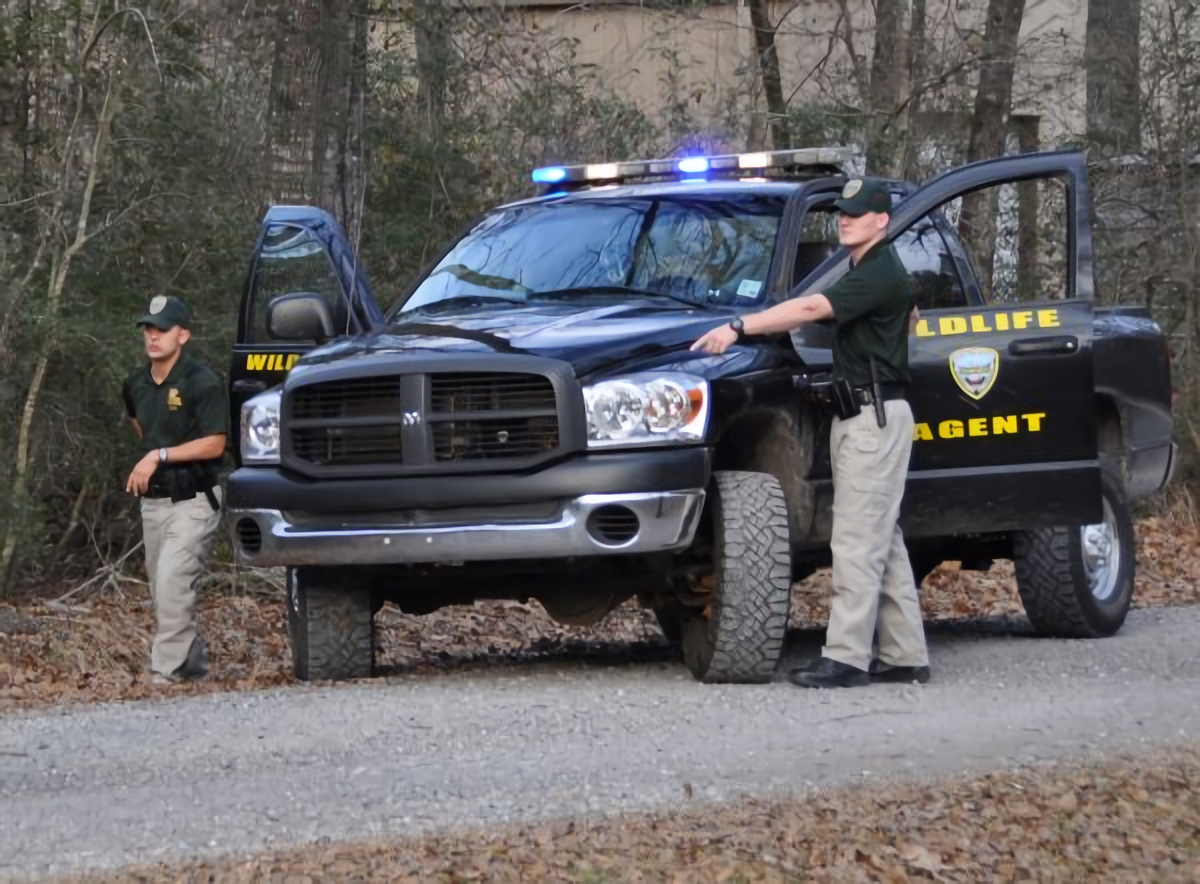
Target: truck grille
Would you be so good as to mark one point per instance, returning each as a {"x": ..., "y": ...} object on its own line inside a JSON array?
[
  {"x": 396, "y": 424},
  {"x": 479, "y": 416}
]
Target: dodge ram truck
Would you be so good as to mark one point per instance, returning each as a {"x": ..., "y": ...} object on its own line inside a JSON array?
[{"x": 526, "y": 420}]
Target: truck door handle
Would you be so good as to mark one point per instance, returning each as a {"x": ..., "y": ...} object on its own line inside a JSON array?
[
  {"x": 1034, "y": 346},
  {"x": 249, "y": 386}
]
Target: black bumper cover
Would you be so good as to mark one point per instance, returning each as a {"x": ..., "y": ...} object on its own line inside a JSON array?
[{"x": 626, "y": 472}]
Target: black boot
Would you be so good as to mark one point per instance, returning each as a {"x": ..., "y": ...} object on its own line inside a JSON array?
[
  {"x": 882, "y": 672},
  {"x": 829, "y": 673}
]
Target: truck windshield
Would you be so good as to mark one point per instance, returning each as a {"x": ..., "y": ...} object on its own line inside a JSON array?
[{"x": 691, "y": 248}]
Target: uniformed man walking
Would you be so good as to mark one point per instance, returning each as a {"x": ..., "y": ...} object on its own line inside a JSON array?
[
  {"x": 180, "y": 412},
  {"x": 873, "y": 586}
]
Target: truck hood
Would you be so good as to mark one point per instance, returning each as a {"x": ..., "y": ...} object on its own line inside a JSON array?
[{"x": 592, "y": 337}]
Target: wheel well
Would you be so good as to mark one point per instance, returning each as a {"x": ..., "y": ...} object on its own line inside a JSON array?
[
  {"x": 779, "y": 442},
  {"x": 1110, "y": 442}
]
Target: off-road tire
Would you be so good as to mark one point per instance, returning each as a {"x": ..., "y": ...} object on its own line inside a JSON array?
[
  {"x": 1052, "y": 578},
  {"x": 331, "y": 627},
  {"x": 739, "y": 637}
]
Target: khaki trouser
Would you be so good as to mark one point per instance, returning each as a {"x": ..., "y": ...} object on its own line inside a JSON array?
[
  {"x": 873, "y": 583},
  {"x": 178, "y": 539}
]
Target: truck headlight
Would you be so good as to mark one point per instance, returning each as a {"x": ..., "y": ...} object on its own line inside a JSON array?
[
  {"x": 260, "y": 428},
  {"x": 649, "y": 408}
]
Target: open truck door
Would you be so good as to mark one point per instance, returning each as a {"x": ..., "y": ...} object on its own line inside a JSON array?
[
  {"x": 1002, "y": 381},
  {"x": 299, "y": 250}
]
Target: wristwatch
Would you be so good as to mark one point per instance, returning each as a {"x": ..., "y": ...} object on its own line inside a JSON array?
[
  {"x": 740, "y": 327},
  {"x": 162, "y": 455}
]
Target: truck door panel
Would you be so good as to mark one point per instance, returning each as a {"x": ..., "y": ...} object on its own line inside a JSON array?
[
  {"x": 1002, "y": 390},
  {"x": 292, "y": 254}
]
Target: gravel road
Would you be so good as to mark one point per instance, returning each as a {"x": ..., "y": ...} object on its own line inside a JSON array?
[{"x": 104, "y": 786}]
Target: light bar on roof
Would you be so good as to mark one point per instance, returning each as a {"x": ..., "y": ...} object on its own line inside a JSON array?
[{"x": 761, "y": 160}]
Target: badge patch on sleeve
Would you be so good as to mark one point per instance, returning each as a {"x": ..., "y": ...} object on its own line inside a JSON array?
[
  {"x": 975, "y": 369},
  {"x": 173, "y": 400}
]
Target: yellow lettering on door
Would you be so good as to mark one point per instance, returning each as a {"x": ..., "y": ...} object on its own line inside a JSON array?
[
  {"x": 950, "y": 429},
  {"x": 1005, "y": 424},
  {"x": 981, "y": 323},
  {"x": 975, "y": 427},
  {"x": 952, "y": 325},
  {"x": 256, "y": 361},
  {"x": 1047, "y": 319}
]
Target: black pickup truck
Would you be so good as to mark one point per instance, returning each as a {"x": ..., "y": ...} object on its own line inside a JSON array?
[{"x": 526, "y": 420}]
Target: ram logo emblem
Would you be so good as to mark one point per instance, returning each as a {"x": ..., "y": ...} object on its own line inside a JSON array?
[{"x": 412, "y": 418}]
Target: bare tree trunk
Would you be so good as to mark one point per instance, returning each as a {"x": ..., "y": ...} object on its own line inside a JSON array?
[
  {"x": 317, "y": 106},
  {"x": 353, "y": 168},
  {"x": 886, "y": 81},
  {"x": 768, "y": 66},
  {"x": 1029, "y": 236},
  {"x": 435, "y": 55},
  {"x": 1112, "y": 59},
  {"x": 916, "y": 65},
  {"x": 58, "y": 278},
  {"x": 989, "y": 129}
]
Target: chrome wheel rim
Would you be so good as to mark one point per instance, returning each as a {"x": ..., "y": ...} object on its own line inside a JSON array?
[{"x": 1101, "y": 555}]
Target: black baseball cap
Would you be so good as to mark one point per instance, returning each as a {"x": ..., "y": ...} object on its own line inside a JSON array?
[
  {"x": 166, "y": 312},
  {"x": 863, "y": 195}
]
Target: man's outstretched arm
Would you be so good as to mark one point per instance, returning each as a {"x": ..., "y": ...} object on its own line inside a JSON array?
[{"x": 788, "y": 316}]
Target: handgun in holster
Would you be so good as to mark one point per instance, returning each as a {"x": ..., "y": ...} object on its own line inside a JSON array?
[{"x": 834, "y": 395}]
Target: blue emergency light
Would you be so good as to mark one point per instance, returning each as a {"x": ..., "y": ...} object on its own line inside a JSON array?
[{"x": 549, "y": 175}]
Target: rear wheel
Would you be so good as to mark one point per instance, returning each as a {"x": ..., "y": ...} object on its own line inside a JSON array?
[
  {"x": 331, "y": 627},
  {"x": 739, "y": 636},
  {"x": 1077, "y": 581}
]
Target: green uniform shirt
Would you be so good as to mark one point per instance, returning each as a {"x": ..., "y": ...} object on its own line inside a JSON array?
[
  {"x": 871, "y": 307},
  {"x": 189, "y": 405}
]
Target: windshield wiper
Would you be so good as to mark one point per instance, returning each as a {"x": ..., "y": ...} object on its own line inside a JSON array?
[
  {"x": 614, "y": 290},
  {"x": 483, "y": 280}
]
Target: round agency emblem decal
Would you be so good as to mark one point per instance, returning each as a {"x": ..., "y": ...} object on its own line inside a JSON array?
[
  {"x": 851, "y": 188},
  {"x": 975, "y": 369},
  {"x": 157, "y": 304}
]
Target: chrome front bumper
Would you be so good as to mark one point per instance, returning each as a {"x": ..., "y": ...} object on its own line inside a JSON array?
[{"x": 665, "y": 521}]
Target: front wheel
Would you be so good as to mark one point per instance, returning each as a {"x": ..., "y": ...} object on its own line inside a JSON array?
[
  {"x": 1077, "y": 581},
  {"x": 331, "y": 627},
  {"x": 739, "y": 636}
]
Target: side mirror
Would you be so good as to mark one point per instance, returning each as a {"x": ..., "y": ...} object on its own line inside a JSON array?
[{"x": 300, "y": 316}]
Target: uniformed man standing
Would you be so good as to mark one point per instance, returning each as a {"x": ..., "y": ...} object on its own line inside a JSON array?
[
  {"x": 873, "y": 586},
  {"x": 180, "y": 412}
]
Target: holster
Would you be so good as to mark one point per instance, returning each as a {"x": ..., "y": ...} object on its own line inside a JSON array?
[
  {"x": 832, "y": 395},
  {"x": 185, "y": 481}
]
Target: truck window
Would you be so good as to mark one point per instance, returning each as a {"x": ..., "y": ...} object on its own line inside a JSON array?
[
  {"x": 292, "y": 260},
  {"x": 934, "y": 277},
  {"x": 1015, "y": 236},
  {"x": 932, "y": 274}
]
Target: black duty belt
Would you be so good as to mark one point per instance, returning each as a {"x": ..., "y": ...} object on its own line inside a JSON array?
[{"x": 888, "y": 393}]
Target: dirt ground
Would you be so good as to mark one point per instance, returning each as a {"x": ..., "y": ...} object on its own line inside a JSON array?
[
  {"x": 94, "y": 645},
  {"x": 1127, "y": 819}
]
